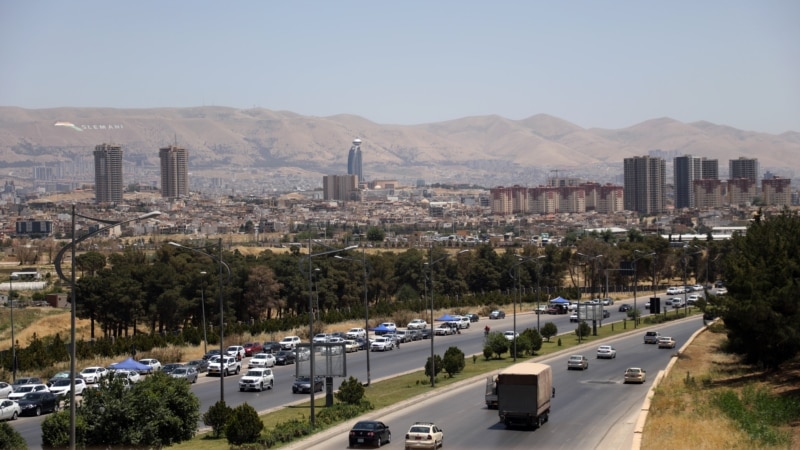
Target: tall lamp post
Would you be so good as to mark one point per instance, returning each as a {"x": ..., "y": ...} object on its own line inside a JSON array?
[
  {"x": 13, "y": 345},
  {"x": 222, "y": 264},
  {"x": 430, "y": 264},
  {"x": 685, "y": 264},
  {"x": 522, "y": 260},
  {"x": 203, "y": 308},
  {"x": 594, "y": 319},
  {"x": 312, "y": 375},
  {"x": 363, "y": 262},
  {"x": 636, "y": 285},
  {"x": 538, "y": 260},
  {"x": 71, "y": 280}
]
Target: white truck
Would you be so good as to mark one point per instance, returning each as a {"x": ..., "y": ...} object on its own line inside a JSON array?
[
  {"x": 257, "y": 379},
  {"x": 523, "y": 394},
  {"x": 224, "y": 368}
]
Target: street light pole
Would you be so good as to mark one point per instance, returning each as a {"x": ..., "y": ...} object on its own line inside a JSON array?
[
  {"x": 221, "y": 264},
  {"x": 203, "y": 308},
  {"x": 73, "y": 301},
  {"x": 363, "y": 262},
  {"x": 13, "y": 344},
  {"x": 594, "y": 319}
]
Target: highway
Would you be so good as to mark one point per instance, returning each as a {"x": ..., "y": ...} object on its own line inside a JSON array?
[{"x": 410, "y": 357}]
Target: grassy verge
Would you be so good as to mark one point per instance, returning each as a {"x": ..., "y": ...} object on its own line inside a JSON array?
[
  {"x": 711, "y": 400},
  {"x": 396, "y": 389}
]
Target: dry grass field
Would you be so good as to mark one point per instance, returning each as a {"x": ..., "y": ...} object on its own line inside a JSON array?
[{"x": 684, "y": 415}]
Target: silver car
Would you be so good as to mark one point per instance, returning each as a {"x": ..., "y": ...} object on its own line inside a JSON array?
[{"x": 187, "y": 373}]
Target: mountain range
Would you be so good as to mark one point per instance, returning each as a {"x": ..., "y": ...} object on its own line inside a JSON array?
[{"x": 483, "y": 147}]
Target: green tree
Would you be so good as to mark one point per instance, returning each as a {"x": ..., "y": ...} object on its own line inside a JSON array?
[
  {"x": 438, "y": 365},
  {"x": 498, "y": 343},
  {"x": 762, "y": 308},
  {"x": 351, "y": 391},
  {"x": 454, "y": 361},
  {"x": 216, "y": 417},
  {"x": 583, "y": 330},
  {"x": 90, "y": 262},
  {"x": 534, "y": 338},
  {"x": 376, "y": 234},
  {"x": 10, "y": 439},
  {"x": 243, "y": 426},
  {"x": 549, "y": 330}
]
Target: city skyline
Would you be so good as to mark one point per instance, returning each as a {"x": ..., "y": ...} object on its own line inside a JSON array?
[{"x": 595, "y": 64}]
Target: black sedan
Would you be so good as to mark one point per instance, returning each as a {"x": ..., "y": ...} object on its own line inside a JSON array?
[
  {"x": 302, "y": 385},
  {"x": 473, "y": 317},
  {"x": 36, "y": 403},
  {"x": 625, "y": 307},
  {"x": 370, "y": 432},
  {"x": 271, "y": 347},
  {"x": 168, "y": 368},
  {"x": 284, "y": 357},
  {"x": 211, "y": 354},
  {"x": 200, "y": 365}
]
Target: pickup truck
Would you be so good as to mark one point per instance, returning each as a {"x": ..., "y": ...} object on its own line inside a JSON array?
[
  {"x": 225, "y": 365},
  {"x": 257, "y": 379}
]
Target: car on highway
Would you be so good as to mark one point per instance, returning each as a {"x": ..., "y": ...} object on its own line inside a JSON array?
[
  {"x": 169, "y": 367},
  {"x": 9, "y": 410},
  {"x": 36, "y": 403},
  {"x": 262, "y": 360},
  {"x": 224, "y": 366},
  {"x": 651, "y": 337},
  {"x": 257, "y": 380},
  {"x": 608, "y": 301},
  {"x": 351, "y": 346},
  {"x": 25, "y": 389},
  {"x": 693, "y": 299},
  {"x": 577, "y": 362},
  {"x": 573, "y": 317},
  {"x": 417, "y": 324},
  {"x": 672, "y": 290},
  {"x": 634, "y": 375},
  {"x": 443, "y": 329},
  {"x": 369, "y": 432},
  {"x": 290, "y": 342},
  {"x": 606, "y": 352},
  {"x": 677, "y": 302},
  {"x": 5, "y": 389},
  {"x": 284, "y": 357},
  {"x": 666, "y": 342},
  {"x": 271, "y": 347},
  {"x": 510, "y": 335},
  {"x": 382, "y": 344},
  {"x": 302, "y": 385},
  {"x": 464, "y": 322},
  {"x": 424, "y": 435},
  {"x": 473, "y": 317},
  {"x": 237, "y": 351},
  {"x": 152, "y": 363},
  {"x": 355, "y": 333},
  {"x": 200, "y": 365},
  {"x": 251, "y": 348},
  {"x": 93, "y": 374},
  {"x": 497, "y": 314},
  {"x": 61, "y": 388},
  {"x": 625, "y": 307},
  {"x": 187, "y": 373}
]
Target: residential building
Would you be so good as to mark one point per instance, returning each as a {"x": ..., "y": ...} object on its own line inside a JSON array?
[
  {"x": 777, "y": 191},
  {"x": 108, "y": 173},
  {"x": 354, "y": 161},
  {"x": 340, "y": 187},
  {"x": 686, "y": 169},
  {"x": 707, "y": 193},
  {"x": 709, "y": 169},
  {"x": 743, "y": 168},
  {"x": 741, "y": 191},
  {"x": 644, "y": 187},
  {"x": 174, "y": 172}
]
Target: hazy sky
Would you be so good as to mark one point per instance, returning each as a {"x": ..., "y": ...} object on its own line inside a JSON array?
[{"x": 608, "y": 64}]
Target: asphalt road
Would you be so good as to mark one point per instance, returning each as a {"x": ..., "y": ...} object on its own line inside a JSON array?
[{"x": 410, "y": 357}]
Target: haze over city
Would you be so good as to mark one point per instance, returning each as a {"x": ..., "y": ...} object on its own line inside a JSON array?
[{"x": 606, "y": 65}]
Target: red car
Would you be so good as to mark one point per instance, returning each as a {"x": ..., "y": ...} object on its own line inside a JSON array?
[{"x": 252, "y": 348}]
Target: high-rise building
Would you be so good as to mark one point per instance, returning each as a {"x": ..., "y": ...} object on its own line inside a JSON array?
[
  {"x": 108, "y": 173},
  {"x": 340, "y": 187},
  {"x": 686, "y": 169},
  {"x": 174, "y": 172},
  {"x": 709, "y": 169},
  {"x": 645, "y": 180},
  {"x": 777, "y": 191},
  {"x": 743, "y": 168},
  {"x": 354, "y": 161}
]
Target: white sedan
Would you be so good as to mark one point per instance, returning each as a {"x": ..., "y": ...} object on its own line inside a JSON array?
[
  {"x": 132, "y": 375},
  {"x": 61, "y": 387},
  {"x": 510, "y": 335},
  {"x": 27, "y": 389},
  {"x": 262, "y": 360},
  {"x": 93, "y": 374},
  {"x": 9, "y": 410},
  {"x": 5, "y": 389},
  {"x": 606, "y": 351}
]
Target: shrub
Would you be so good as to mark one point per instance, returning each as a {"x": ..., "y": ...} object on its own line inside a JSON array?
[
  {"x": 351, "y": 391},
  {"x": 534, "y": 338},
  {"x": 487, "y": 351},
  {"x": 243, "y": 425},
  {"x": 438, "y": 365},
  {"x": 453, "y": 361},
  {"x": 583, "y": 330},
  {"x": 549, "y": 330},
  {"x": 498, "y": 343},
  {"x": 10, "y": 439},
  {"x": 216, "y": 417}
]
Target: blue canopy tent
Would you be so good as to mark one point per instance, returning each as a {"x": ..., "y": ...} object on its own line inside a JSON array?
[
  {"x": 559, "y": 301},
  {"x": 446, "y": 318},
  {"x": 380, "y": 329},
  {"x": 132, "y": 364}
]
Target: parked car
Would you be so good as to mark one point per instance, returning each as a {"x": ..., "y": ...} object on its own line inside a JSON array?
[
  {"x": 284, "y": 357},
  {"x": 666, "y": 342},
  {"x": 321, "y": 338},
  {"x": 9, "y": 410},
  {"x": 625, "y": 307},
  {"x": 369, "y": 432},
  {"x": 414, "y": 335},
  {"x": 59, "y": 376},
  {"x": 237, "y": 351},
  {"x": 473, "y": 317},
  {"x": 693, "y": 299},
  {"x": 355, "y": 333},
  {"x": 303, "y": 385},
  {"x": 443, "y": 329},
  {"x": 93, "y": 374},
  {"x": 61, "y": 388},
  {"x": 424, "y": 435},
  {"x": 497, "y": 314},
  {"x": 608, "y": 301},
  {"x": 168, "y": 368},
  {"x": 350, "y": 346},
  {"x": 403, "y": 336},
  {"x": 290, "y": 342},
  {"x": 153, "y": 363},
  {"x": 672, "y": 290},
  {"x": 577, "y": 362},
  {"x": 464, "y": 322},
  {"x": 417, "y": 324},
  {"x": 262, "y": 360},
  {"x": 25, "y": 380},
  {"x": 187, "y": 373},
  {"x": 211, "y": 353},
  {"x": 132, "y": 375},
  {"x": 382, "y": 344},
  {"x": 389, "y": 326},
  {"x": 5, "y": 389},
  {"x": 363, "y": 344},
  {"x": 651, "y": 337},
  {"x": 606, "y": 351},
  {"x": 251, "y": 348},
  {"x": 26, "y": 389},
  {"x": 426, "y": 333},
  {"x": 36, "y": 403},
  {"x": 634, "y": 375},
  {"x": 573, "y": 317},
  {"x": 200, "y": 365},
  {"x": 302, "y": 354},
  {"x": 271, "y": 347},
  {"x": 257, "y": 379}
]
